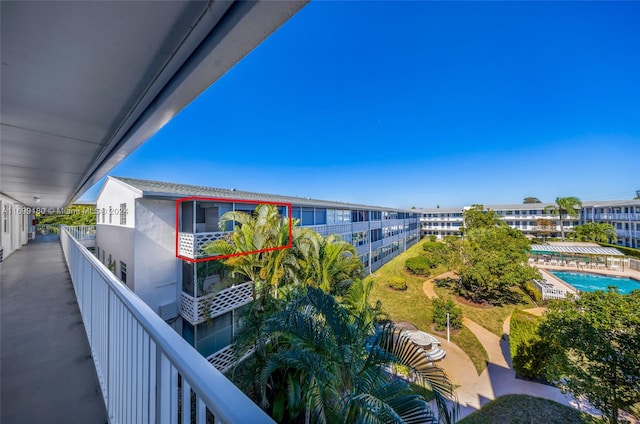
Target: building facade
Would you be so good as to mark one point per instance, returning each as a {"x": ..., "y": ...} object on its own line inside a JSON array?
[
  {"x": 534, "y": 219},
  {"x": 142, "y": 230}
]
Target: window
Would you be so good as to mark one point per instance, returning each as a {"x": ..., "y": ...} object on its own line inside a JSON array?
[
  {"x": 321, "y": 216},
  {"x": 123, "y": 272},
  {"x": 307, "y": 216},
  {"x": 359, "y": 216},
  {"x": 98, "y": 252},
  {"x": 123, "y": 214},
  {"x": 376, "y": 215},
  {"x": 376, "y": 235},
  {"x": 104, "y": 213},
  {"x": 110, "y": 214}
]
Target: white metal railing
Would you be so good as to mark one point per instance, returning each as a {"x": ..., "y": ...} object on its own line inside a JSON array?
[
  {"x": 190, "y": 244},
  {"x": 139, "y": 358},
  {"x": 47, "y": 229},
  {"x": 82, "y": 232},
  {"x": 549, "y": 291},
  {"x": 196, "y": 310}
]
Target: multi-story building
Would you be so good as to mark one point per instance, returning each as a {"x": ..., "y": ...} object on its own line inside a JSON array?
[
  {"x": 138, "y": 239},
  {"x": 536, "y": 219}
]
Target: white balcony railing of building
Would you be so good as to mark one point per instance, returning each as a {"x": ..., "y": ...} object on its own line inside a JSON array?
[
  {"x": 147, "y": 372},
  {"x": 196, "y": 310},
  {"x": 82, "y": 232},
  {"x": 548, "y": 291},
  {"x": 190, "y": 244}
]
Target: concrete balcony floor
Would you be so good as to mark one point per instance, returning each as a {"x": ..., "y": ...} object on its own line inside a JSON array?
[{"x": 46, "y": 370}]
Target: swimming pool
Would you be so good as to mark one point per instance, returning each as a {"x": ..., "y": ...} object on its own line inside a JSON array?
[{"x": 591, "y": 282}]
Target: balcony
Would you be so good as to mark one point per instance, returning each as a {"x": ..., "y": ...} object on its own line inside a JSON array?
[
  {"x": 146, "y": 373},
  {"x": 199, "y": 309},
  {"x": 190, "y": 244}
]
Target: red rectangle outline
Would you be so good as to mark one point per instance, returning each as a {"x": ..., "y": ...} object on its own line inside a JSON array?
[{"x": 229, "y": 200}]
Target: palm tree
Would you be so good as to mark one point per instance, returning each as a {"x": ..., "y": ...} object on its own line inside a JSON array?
[
  {"x": 569, "y": 206},
  {"x": 266, "y": 231},
  {"x": 325, "y": 362},
  {"x": 330, "y": 263}
]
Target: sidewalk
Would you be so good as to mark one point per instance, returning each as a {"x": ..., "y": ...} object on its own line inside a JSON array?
[{"x": 498, "y": 378}]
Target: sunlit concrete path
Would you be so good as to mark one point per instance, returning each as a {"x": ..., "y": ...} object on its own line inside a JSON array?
[
  {"x": 46, "y": 370},
  {"x": 498, "y": 378}
]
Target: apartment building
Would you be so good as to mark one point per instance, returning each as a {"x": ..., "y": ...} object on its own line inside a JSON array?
[
  {"x": 138, "y": 239},
  {"x": 535, "y": 219}
]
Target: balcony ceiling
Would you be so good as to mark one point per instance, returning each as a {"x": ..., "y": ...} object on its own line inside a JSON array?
[{"x": 85, "y": 83}]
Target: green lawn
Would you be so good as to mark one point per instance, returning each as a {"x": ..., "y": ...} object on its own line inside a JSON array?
[
  {"x": 491, "y": 317},
  {"x": 414, "y": 306},
  {"x": 524, "y": 409}
]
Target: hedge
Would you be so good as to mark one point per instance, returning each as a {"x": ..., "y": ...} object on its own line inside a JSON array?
[
  {"x": 418, "y": 265},
  {"x": 529, "y": 352},
  {"x": 440, "y": 309},
  {"x": 397, "y": 283}
]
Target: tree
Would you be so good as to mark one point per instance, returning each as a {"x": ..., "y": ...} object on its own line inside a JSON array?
[
  {"x": 597, "y": 348},
  {"x": 594, "y": 231},
  {"x": 73, "y": 216},
  {"x": 528, "y": 200},
  {"x": 264, "y": 229},
  {"x": 327, "y": 362},
  {"x": 569, "y": 206},
  {"x": 545, "y": 226},
  {"x": 494, "y": 260},
  {"x": 477, "y": 217},
  {"x": 329, "y": 263}
]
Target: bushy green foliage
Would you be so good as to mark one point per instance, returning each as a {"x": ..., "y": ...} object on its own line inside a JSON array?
[
  {"x": 531, "y": 291},
  {"x": 494, "y": 261},
  {"x": 598, "y": 348},
  {"x": 529, "y": 352},
  {"x": 476, "y": 217},
  {"x": 594, "y": 231},
  {"x": 436, "y": 253},
  {"x": 433, "y": 237},
  {"x": 440, "y": 309},
  {"x": 419, "y": 265},
  {"x": 73, "y": 216},
  {"x": 397, "y": 283}
]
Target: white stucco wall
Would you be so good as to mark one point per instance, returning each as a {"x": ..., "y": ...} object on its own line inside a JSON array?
[
  {"x": 18, "y": 224},
  {"x": 156, "y": 271},
  {"x": 113, "y": 238}
]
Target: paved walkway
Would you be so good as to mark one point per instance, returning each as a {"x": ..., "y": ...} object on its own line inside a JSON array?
[
  {"x": 47, "y": 373},
  {"x": 498, "y": 378}
]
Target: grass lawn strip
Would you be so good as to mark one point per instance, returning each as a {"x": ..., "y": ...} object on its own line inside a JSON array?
[{"x": 527, "y": 409}]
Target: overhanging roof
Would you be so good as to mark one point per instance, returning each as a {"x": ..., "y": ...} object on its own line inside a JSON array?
[
  {"x": 585, "y": 250},
  {"x": 85, "y": 83}
]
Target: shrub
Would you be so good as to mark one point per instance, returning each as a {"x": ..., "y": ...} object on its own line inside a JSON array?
[
  {"x": 397, "y": 283},
  {"x": 428, "y": 246},
  {"x": 433, "y": 237},
  {"x": 529, "y": 352},
  {"x": 532, "y": 291},
  {"x": 440, "y": 309},
  {"x": 418, "y": 265}
]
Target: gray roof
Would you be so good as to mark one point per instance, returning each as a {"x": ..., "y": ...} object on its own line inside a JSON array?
[
  {"x": 175, "y": 191},
  {"x": 604, "y": 251}
]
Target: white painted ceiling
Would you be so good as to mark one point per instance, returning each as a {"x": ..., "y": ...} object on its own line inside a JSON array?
[{"x": 85, "y": 83}]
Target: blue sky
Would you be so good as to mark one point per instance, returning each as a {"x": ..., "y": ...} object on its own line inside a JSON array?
[{"x": 420, "y": 104}]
